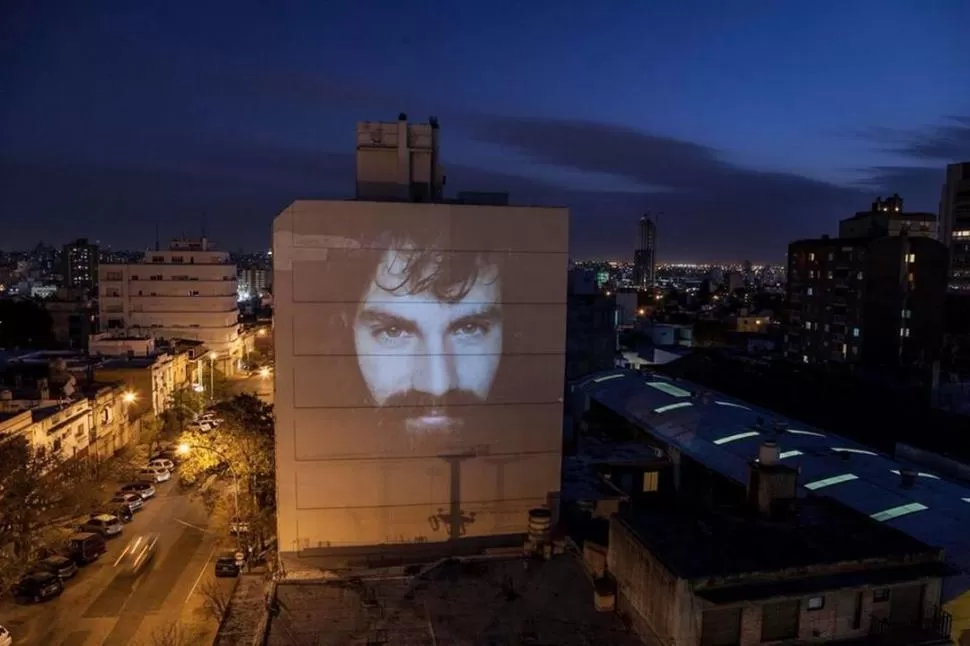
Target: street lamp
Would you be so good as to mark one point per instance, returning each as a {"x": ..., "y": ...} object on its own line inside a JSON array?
[
  {"x": 264, "y": 373},
  {"x": 212, "y": 375},
  {"x": 128, "y": 397},
  {"x": 184, "y": 449}
]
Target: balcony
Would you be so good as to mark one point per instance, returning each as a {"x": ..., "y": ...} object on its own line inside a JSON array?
[{"x": 928, "y": 631}]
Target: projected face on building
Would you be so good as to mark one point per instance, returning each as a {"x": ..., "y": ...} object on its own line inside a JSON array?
[{"x": 428, "y": 335}]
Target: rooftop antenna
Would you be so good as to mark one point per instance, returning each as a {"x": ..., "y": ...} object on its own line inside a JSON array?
[{"x": 158, "y": 244}]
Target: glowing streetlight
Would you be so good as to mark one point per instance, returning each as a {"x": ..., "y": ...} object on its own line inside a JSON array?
[
  {"x": 212, "y": 374},
  {"x": 261, "y": 332},
  {"x": 264, "y": 373},
  {"x": 128, "y": 397}
]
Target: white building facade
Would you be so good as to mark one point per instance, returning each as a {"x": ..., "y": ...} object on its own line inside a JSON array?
[{"x": 188, "y": 291}]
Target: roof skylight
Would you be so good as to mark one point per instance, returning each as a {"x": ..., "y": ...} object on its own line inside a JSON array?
[
  {"x": 842, "y": 449},
  {"x": 731, "y": 405},
  {"x": 608, "y": 377},
  {"x": 670, "y": 389},
  {"x": 798, "y": 432},
  {"x": 828, "y": 482},
  {"x": 664, "y": 409},
  {"x": 931, "y": 476},
  {"x": 736, "y": 436},
  {"x": 896, "y": 512}
]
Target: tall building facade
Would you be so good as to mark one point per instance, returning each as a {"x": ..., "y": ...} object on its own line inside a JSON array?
[
  {"x": 877, "y": 302},
  {"x": 419, "y": 370},
  {"x": 80, "y": 264},
  {"x": 645, "y": 255},
  {"x": 187, "y": 291},
  {"x": 955, "y": 224}
]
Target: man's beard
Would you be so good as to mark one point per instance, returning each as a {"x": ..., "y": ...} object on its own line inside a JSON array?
[{"x": 428, "y": 419}]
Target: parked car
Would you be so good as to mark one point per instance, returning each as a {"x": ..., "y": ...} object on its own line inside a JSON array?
[
  {"x": 38, "y": 586},
  {"x": 5, "y": 638},
  {"x": 144, "y": 489},
  {"x": 104, "y": 524},
  {"x": 154, "y": 474},
  {"x": 168, "y": 454},
  {"x": 133, "y": 501},
  {"x": 121, "y": 511},
  {"x": 162, "y": 463},
  {"x": 138, "y": 554},
  {"x": 61, "y": 566},
  {"x": 227, "y": 565},
  {"x": 199, "y": 427},
  {"x": 86, "y": 547}
]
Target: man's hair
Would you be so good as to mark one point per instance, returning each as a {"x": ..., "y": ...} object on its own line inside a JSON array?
[{"x": 426, "y": 267}]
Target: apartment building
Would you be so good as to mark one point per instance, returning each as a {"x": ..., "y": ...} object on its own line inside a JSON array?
[
  {"x": 188, "y": 291},
  {"x": 878, "y": 302}
]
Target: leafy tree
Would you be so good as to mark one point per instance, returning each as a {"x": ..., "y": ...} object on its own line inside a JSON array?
[
  {"x": 243, "y": 444},
  {"x": 24, "y": 323},
  {"x": 36, "y": 490}
]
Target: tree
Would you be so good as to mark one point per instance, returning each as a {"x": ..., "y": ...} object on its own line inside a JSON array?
[
  {"x": 36, "y": 489},
  {"x": 244, "y": 441},
  {"x": 24, "y": 323}
]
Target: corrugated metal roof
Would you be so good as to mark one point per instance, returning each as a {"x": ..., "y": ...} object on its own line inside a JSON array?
[{"x": 724, "y": 434}]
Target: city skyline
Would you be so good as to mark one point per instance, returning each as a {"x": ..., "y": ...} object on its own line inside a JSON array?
[{"x": 777, "y": 141}]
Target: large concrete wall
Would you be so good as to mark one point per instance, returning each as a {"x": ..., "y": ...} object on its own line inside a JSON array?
[{"x": 416, "y": 415}]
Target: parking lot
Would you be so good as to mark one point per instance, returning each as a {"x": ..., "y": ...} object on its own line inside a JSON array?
[{"x": 102, "y": 606}]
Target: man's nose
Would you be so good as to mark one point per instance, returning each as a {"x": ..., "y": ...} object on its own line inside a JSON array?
[{"x": 437, "y": 374}]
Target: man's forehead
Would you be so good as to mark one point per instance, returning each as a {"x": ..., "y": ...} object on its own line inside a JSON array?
[{"x": 400, "y": 269}]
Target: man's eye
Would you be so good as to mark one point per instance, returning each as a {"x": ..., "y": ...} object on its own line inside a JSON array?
[
  {"x": 470, "y": 329},
  {"x": 391, "y": 332}
]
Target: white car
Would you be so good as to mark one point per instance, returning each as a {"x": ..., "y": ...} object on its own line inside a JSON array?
[
  {"x": 162, "y": 463},
  {"x": 5, "y": 638},
  {"x": 154, "y": 474},
  {"x": 201, "y": 427}
]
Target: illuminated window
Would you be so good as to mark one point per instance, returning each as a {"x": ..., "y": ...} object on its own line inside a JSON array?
[
  {"x": 650, "y": 481},
  {"x": 735, "y": 437},
  {"x": 788, "y": 454},
  {"x": 670, "y": 389},
  {"x": 831, "y": 256},
  {"x": 732, "y": 405},
  {"x": 907, "y": 314},
  {"x": 664, "y": 409},
  {"x": 811, "y": 256},
  {"x": 810, "y": 291},
  {"x": 896, "y": 512},
  {"x": 798, "y": 432},
  {"x": 904, "y": 331},
  {"x": 829, "y": 274},
  {"x": 931, "y": 476},
  {"x": 808, "y": 325},
  {"x": 911, "y": 257},
  {"x": 828, "y": 482},
  {"x": 855, "y": 331},
  {"x": 816, "y": 603},
  {"x": 804, "y": 358},
  {"x": 856, "y": 451},
  {"x": 859, "y": 276}
]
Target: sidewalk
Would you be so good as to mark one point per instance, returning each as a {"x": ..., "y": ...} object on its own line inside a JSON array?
[{"x": 247, "y": 616}]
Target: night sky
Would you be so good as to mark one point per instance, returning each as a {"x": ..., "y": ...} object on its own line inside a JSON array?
[{"x": 748, "y": 123}]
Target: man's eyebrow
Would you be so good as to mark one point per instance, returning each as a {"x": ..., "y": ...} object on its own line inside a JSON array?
[
  {"x": 373, "y": 315},
  {"x": 491, "y": 311}
]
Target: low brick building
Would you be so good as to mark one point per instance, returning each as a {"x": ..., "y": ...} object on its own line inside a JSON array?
[{"x": 781, "y": 570}]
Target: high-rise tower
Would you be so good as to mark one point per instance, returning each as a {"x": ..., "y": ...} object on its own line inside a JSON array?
[
  {"x": 645, "y": 255},
  {"x": 955, "y": 223}
]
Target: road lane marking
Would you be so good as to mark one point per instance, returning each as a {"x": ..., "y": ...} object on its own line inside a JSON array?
[
  {"x": 201, "y": 529},
  {"x": 201, "y": 572}
]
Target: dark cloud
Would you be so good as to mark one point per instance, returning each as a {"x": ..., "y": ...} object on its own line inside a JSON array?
[
  {"x": 713, "y": 208},
  {"x": 947, "y": 143}
]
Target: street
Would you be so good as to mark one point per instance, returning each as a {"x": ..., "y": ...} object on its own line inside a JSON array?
[
  {"x": 100, "y": 607},
  {"x": 260, "y": 386}
]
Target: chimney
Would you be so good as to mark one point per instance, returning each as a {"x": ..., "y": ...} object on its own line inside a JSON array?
[
  {"x": 403, "y": 154},
  {"x": 907, "y": 478},
  {"x": 772, "y": 487}
]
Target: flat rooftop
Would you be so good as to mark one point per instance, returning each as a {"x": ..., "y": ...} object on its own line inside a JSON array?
[
  {"x": 494, "y": 601},
  {"x": 694, "y": 541}
]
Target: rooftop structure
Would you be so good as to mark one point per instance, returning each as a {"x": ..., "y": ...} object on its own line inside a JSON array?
[
  {"x": 888, "y": 218},
  {"x": 488, "y": 601},
  {"x": 724, "y": 434}
]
